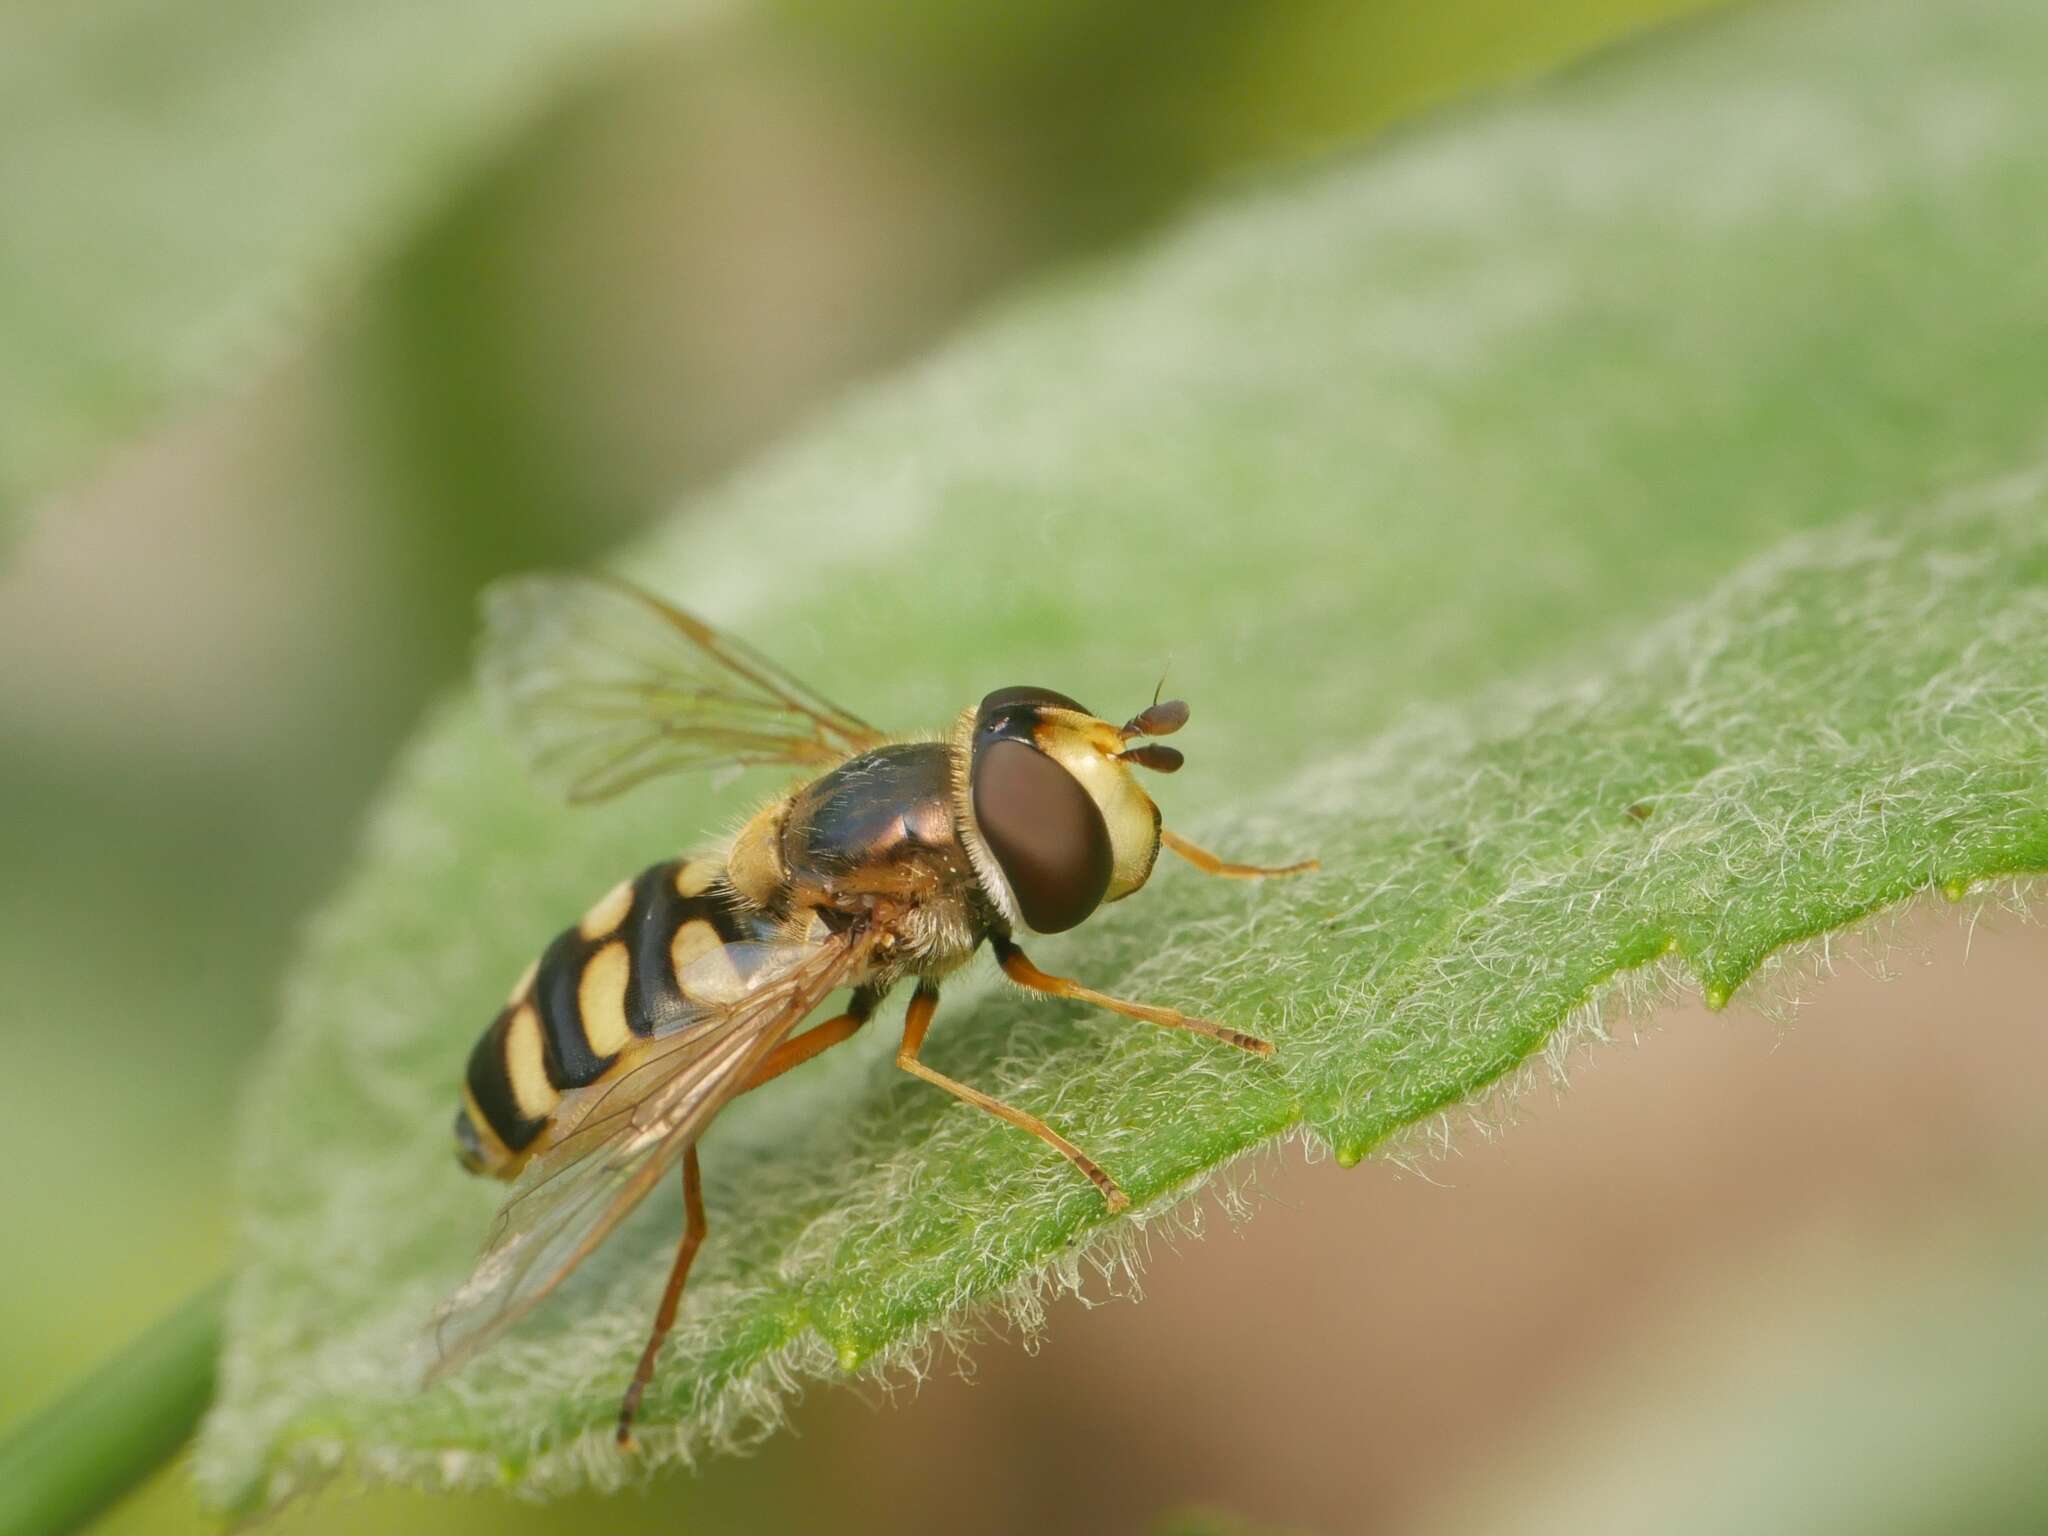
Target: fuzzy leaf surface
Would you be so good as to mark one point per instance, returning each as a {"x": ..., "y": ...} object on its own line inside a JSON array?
[{"x": 1609, "y": 527}]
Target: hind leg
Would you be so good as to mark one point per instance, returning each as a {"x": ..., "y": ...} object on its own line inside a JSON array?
[
  {"x": 665, "y": 1315},
  {"x": 794, "y": 1052}
]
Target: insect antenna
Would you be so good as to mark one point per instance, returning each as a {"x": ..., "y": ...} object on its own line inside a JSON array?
[
  {"x": 1159, "y": 759},
  {"x": 1157, "y": 719}
]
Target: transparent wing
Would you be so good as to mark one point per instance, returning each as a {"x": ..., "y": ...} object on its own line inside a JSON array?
[
  {"x": 602, "y": 686},
  {"x": 615, "y": 1140}
]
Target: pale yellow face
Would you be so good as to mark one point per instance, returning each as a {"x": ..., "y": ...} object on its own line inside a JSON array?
[{"x": 1087, "y": 748}]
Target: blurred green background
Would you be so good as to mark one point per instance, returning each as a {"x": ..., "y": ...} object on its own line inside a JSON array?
[{"x": 217, "y": 640}]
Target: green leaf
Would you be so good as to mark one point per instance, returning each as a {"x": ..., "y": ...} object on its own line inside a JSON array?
[
  {"x": 1610, "y": 528},
  {"x": 180, "y": 189}
]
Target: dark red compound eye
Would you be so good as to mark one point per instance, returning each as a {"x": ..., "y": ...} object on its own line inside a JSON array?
[
  {"x": 1045, "y": 831},
  {"x": 1013, "y": 711}
]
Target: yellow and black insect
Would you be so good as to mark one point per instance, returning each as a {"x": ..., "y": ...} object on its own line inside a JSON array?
[{"x": 685, "y": 987}]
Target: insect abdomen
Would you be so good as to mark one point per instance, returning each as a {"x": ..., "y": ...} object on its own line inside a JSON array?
[{"x": 609, "y": 980}]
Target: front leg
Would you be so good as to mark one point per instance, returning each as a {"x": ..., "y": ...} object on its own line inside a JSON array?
[
  {"x": 1018, "y": 967},
  {"x": 1209, "y": 864}
]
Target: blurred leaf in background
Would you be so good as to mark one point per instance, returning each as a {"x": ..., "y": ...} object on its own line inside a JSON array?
[
  {"x": 189, "y": 193},
  {"x": 1356, "y": 446},
  {"x": 185, "y": 187}
]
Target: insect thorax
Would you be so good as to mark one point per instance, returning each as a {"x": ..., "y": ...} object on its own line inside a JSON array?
[{"x": 875, "y": 837}]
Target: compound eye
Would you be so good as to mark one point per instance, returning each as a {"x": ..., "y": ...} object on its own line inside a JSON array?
[
  {"x": 1010, "y": 711},
  {"x": 1045, "y": 831}
]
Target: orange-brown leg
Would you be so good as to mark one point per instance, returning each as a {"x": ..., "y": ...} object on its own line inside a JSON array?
[
  {"x": 917, "y": 1021},
  {"x": 1209, "y": 864},
  {"x": 819, "y": 1037},
  {"x": 794, "y": 1052},
  {"x": 665, "y": 1316},
  {"x": 1018, "y": 967}
]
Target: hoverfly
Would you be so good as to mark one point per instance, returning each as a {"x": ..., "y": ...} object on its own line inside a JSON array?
[{"x": 684, "y": 987}]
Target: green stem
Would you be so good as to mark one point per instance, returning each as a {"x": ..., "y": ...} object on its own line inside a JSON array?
[{"x": 113, "y": 1429}]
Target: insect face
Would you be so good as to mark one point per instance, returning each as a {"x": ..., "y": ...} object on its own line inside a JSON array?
[{"x": 1060, "y": 821}]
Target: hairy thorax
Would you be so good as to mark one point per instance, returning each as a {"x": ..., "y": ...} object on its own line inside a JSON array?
[{"x": 873, "y": 840}]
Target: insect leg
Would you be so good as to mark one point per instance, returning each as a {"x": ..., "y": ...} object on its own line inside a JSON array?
[
  {"x": 1209, "y": 864},
  {"x": 1018, "y": 967},
  {"x": 919, "y": 1019},
  {"x": 665, "y": 1315},
  {"x": 818, "y": 1038}
]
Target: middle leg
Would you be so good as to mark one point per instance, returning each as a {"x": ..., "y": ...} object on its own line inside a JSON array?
[
  {"x": 1018, "y": 967},
  {"x": 820, "y": 1037},
  {"x": 917, "y": 1021}
]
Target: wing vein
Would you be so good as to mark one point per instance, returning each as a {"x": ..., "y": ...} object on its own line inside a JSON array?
[
  {"x": 625, "y": 1132},
  {"x": 602, "y": 686}
]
